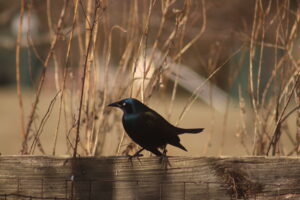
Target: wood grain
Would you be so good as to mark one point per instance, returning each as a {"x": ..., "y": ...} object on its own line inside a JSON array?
[{"x": 118, "y": 178}]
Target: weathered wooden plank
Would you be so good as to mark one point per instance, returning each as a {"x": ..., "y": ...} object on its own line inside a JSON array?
[{"x": 117, "y": 178}]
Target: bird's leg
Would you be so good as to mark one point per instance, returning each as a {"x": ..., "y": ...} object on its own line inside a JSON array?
[
  {"x": 165, "y": 151},
  {"x": 164, "y": 158}
]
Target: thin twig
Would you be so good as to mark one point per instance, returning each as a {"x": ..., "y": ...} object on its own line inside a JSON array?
[
  {"x": 194, "y": 96},
  {"x": 42, "y": 124},
  {"x": 195, "y": 39},
  {"x": 281, "y": 116}
]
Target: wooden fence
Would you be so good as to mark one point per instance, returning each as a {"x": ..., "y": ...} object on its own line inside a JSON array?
[{"x": 95, "y": 178}]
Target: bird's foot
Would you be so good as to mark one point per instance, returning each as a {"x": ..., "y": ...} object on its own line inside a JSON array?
[
  {"x": 135, "y": 156},
  {"x": 164, "y": 160}
]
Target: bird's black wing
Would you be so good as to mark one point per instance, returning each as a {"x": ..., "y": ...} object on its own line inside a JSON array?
[
  {"x": 154, "y": 121},
  {"x": 159, "y": 129}
]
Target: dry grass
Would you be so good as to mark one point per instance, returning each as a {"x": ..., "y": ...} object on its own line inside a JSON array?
[
  {"x": 269, "y": 103},
  {"x": 100, "y": 51}
]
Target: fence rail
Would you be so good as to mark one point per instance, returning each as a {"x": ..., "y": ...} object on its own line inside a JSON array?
[{"x": 91, "y": 178}]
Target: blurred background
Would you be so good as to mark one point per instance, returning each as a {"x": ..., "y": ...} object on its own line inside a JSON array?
[{"x": 231, "y": 67}]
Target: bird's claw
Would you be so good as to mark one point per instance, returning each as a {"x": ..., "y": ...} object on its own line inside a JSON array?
[{"x": 136, "y": 155}]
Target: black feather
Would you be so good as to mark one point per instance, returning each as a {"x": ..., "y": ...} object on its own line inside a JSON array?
[{"x": 149, "y": 129}]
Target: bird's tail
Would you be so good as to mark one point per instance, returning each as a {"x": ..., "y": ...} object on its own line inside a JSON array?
[{"x": 191, "y": 130}]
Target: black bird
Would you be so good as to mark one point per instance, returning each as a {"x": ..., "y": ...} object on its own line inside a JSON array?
[{"x": 149, "y": 129}]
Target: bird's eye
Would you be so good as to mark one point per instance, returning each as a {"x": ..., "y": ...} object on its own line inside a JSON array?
[{"x": 124, "y": 104}]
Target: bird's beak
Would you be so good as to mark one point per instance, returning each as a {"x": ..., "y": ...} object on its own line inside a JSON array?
[{"x": 116, "y": 104}]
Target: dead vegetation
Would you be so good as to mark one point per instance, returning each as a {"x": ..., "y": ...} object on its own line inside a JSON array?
[{"x": 99, "y": 51}]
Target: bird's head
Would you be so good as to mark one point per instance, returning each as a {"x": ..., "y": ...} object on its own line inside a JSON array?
[{"x": 129, "y": 105}]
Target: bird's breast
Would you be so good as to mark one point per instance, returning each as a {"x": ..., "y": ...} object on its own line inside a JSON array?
[
  {"x": 130, "y": 121},
  {"x": 129, "y": 117},
  {"x": 135, "y": 127}
]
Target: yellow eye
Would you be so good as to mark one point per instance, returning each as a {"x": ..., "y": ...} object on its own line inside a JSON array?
[{"x": 124, "y": 104}]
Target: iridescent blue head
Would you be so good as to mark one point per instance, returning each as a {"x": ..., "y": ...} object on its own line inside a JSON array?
[{"x": 130, "y": 105}]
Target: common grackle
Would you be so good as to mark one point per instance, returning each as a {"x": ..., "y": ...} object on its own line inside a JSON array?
[{"x": 149, "y": 129}]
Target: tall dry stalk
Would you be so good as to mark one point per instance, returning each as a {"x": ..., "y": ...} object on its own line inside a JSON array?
[
  {"x": 298, "y": 122},
  {"x": 93, "y": 26},
  {"x": 18, "y": 78}
]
